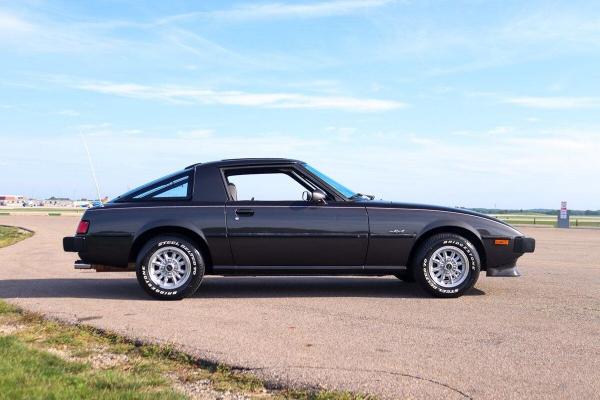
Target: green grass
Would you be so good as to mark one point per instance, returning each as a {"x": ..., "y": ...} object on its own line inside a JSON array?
[
  {"x": 28, "y": 373},
  {"x": 28, "y": 370},
  {"x": 547, "y": 220},
  {"x": 11, "y": 235}
]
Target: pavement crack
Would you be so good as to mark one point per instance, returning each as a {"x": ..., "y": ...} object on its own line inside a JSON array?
[
  {"x": 90, "y": 318},
  {"x": 380, "y": 371}
]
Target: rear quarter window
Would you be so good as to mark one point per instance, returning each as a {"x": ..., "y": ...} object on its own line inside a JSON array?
[{"x": 173, "y": 187}]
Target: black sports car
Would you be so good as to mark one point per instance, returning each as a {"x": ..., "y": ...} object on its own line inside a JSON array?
[{"x": 284, "y": 217}]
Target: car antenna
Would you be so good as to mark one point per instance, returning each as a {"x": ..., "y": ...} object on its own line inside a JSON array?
[{"x": 87, "y": 151}]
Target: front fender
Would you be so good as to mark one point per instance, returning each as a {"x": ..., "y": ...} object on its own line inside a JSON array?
[{"x": 442, "y": 224}]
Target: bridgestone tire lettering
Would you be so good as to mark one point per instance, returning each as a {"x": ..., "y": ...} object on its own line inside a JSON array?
[
  {"x": 420, "y": 265},
  {"x": 192, "y": 282}
]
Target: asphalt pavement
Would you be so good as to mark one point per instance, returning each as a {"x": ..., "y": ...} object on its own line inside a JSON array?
[{"x": 537, "y": 336}]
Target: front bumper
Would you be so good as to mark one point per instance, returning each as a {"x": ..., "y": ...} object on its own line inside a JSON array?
[
  {"x": 524, "y": 245},
  {"x": 505, "y": 261},
  {"x": 74, "y": 244},
  {"x": 504, "y": 271},
  {"x": 82, "y": 265}
]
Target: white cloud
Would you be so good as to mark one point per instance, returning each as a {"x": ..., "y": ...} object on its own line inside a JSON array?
[
  {"x": 195, "y": 134},
  {"x": 520, "y": 35},
  {"x": 285, "y": 10},
  {"x": 557, "y": 26},
  {"x": 10, "y": 23},
  {"x": 322, "y": 9},
  {"x": 186, "y": 95},
  {"x": 343, "y": 134},
  {"x": 498, "y": 131},
  {"x": 38, "y": 33},
  {"x": 68, "y": 113},
  {"x": 532, "y": 119},
  {"x": 421, "y": 141},
  {"x": 555, "y": 102},
  {"x": 501, "y": 130},
  {"x": 522, "y": 169},
  {"x": 105, "y": 130}
]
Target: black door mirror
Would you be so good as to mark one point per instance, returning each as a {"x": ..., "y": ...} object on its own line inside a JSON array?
[{"x": 316, "y": 196}]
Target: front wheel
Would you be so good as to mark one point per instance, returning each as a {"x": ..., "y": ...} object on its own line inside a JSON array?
[
  {"x": 447, "y": 265},
  {"x": 169, "y": 268}
]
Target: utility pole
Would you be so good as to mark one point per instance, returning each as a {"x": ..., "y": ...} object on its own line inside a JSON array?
[{"x": 87, "y": 151}]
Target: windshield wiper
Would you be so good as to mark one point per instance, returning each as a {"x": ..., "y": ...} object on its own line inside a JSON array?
[{"x": 358, "y": 195}]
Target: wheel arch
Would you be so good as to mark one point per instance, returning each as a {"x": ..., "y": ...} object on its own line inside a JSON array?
[
  {"x": 171, "y": 229},
  {"x": 465, "y": 231}
]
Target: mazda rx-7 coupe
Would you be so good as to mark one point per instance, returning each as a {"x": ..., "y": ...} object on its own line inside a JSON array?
[{"x": 284, "y": 217}]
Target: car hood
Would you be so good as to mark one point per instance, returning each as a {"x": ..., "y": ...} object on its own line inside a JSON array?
[{"x": 417, "y": 206}]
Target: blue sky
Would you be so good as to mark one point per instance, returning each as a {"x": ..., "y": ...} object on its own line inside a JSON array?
[{"x": 460, "y": 103}]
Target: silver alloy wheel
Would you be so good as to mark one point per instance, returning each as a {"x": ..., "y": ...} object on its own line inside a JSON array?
[
  {"x": 448, "y": 266},
  {"x": 169, "y": 267}
]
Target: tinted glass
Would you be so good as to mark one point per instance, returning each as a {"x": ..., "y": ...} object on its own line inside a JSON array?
[
  {"x": 337, "y": 186},
  {"x": 175, "y": 188},
  {"x": 148, "y": 185}
]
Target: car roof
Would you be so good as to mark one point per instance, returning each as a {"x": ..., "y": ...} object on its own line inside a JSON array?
[{"x": 246, "y": 161}]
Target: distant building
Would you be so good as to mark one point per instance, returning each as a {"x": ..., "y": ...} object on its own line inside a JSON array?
[
  {"x": 9, "y": 200},
  {"x": 58, "y": 202}
]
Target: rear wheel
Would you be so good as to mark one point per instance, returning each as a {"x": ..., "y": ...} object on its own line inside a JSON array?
[
  {"x": 446, "y": 265},
  {"x": 169, "y": 268}
]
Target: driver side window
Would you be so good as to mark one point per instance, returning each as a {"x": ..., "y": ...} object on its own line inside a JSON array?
[{"x": 271, "y": 186}]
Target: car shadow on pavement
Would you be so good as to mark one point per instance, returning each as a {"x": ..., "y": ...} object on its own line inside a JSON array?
[
  {"x": 126, "y": 289},
  {"x": 301, "y": 286},
  {"x": 219, "y": 287}
]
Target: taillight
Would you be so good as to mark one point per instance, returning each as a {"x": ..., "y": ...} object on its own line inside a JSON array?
[{"x": 83, "y": 227}]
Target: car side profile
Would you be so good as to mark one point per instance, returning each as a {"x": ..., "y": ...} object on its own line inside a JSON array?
[{"x": 284, "y": 217}]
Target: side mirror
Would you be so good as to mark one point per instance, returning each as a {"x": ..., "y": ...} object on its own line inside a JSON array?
[{"x": 316, "y": 196}]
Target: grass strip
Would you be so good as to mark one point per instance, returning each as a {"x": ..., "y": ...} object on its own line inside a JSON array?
[
  {"x": 11, "y": 235},
  {"x": 42, "y": 359},
  {"x": 44, "y": 209}
]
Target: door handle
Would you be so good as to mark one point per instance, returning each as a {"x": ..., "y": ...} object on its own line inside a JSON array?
[{"x": 244, "y": 211}]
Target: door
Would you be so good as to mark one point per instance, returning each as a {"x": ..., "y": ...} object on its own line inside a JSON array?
[{"x": 269, "y": 226}]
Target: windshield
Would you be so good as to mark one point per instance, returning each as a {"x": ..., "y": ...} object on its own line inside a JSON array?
[{"x": 337, "y": 186}]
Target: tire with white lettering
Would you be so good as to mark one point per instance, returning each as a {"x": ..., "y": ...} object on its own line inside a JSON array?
[
  {"x": 170, "y": 267},
  {"x": 446, "y": 265}
]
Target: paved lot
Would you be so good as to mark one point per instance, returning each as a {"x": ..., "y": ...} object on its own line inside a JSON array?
[{"x": 533, "y": 337}]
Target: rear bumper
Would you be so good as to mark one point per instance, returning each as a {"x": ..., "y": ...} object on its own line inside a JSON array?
[
  {"x": 74, "y": 244},
  {"x": 103, "y": 249}
]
